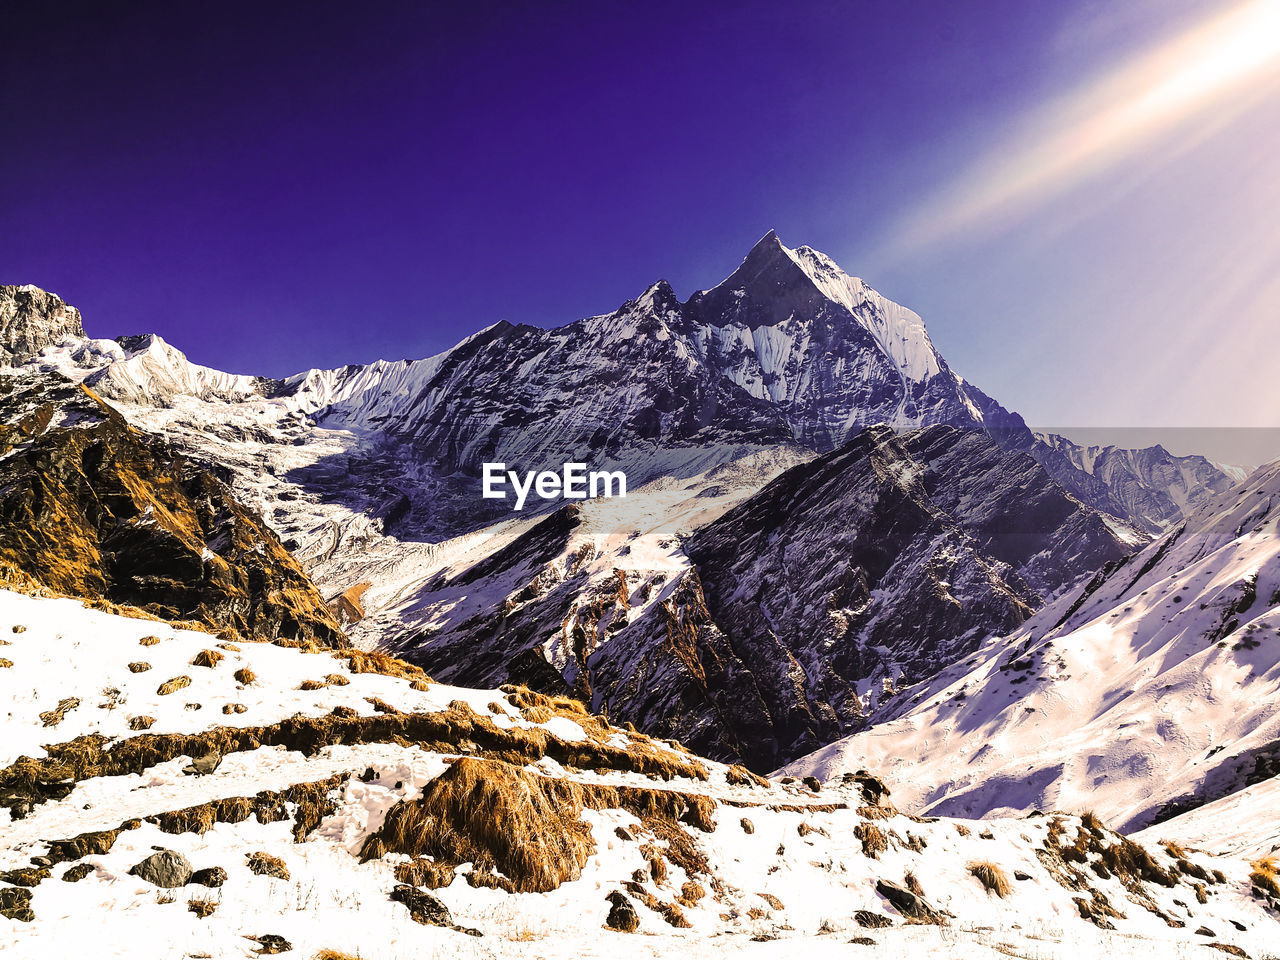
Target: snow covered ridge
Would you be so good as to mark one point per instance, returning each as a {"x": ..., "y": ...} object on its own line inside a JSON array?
[
  {"x": 1145, "y": 693},
  {"x": 356, "y": 815}
]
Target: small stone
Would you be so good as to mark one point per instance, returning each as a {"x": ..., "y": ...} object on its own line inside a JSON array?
[
  {"x": 77, "y": 872},
  {"x": 272, "y": 943},
  {"x": 424, "y": 907},
  {"x": 874, "y": 921},
  {"x": 202, "y": 765}
]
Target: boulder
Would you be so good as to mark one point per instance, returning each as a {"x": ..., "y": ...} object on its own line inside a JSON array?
[
  {"x": 164, "y": 868},
  {"x": 907, "y": 903}
]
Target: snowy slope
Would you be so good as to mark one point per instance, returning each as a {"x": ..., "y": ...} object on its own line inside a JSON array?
[
  {"x": 1152, "y": 690},
  {"x": 748, "y": 868}
]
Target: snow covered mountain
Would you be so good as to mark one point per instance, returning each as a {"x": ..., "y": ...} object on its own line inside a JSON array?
[
  {"x": 1150, "y": 691},
  {"x": 1151, "y": 487}
]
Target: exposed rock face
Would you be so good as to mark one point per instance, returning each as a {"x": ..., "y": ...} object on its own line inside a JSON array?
[
  {"x": 871, "y": 567},
  {"x": 32, "y": 319},
  {"x": 100, "y": 511}
]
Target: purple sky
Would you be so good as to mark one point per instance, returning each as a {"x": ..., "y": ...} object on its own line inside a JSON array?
[{"x": 272, "y": 190}]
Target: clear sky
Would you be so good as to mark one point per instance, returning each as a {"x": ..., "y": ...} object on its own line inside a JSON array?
[{"x": 1080, "y": 197}]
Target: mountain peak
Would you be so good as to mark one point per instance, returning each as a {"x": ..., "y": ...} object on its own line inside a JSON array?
[{"x": 32, "y": 319}]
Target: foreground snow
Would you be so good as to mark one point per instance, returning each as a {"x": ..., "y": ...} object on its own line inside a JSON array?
[{"x": 780, "y": 869}]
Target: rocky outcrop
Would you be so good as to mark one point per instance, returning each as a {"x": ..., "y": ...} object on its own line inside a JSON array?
[
  {"x": 32, "y": 319},
  {"x": 103, "y": 512}
]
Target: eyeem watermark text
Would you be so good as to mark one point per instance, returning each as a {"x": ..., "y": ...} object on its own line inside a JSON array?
[{"x": 572, "y": 483}]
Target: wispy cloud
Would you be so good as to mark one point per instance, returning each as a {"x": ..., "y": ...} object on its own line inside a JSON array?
[{"x": 1190, "y": 85}]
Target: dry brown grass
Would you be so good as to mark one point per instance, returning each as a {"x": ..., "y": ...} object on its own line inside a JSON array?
[
  {"x": 312, "y": 685},
  {"x": 1174, "y": 849},
  {"x": 267, "y": 865},
  {"x": 139, "y": 666},
  {"x": 310, "y": 803},
  {"x": 336, "y": 680},
  {"x": 690, "y": 893},
  {"x": 173, "y": 686},
  {"x": 375, "y": 661},
  {"x": 230, "y": 708},
  {"x": 141, "y": 723},
  {"x": 962, "y": 830},
  {"x": 52, "y": 718},
  {"x": 421, "y": 872},
  {"x": 149, "y": 641},
  {"x": 93, "y": 755},
  {"x": 245, "y": 675},
  {"x": 1265, "y": 876},
  {"x": 874, "y": 841},
  {"x": 202, "y": 907},
  {"x": 886, "y": 812},
  {"x": 527, "y": 827},
  {"x": 5, "y": 663},
  {"x": 739, "y": 776},
  {"x": 992, "y": 876},
  {"x": 207, "y": 658},
  {"x": 333, "y": 955}
]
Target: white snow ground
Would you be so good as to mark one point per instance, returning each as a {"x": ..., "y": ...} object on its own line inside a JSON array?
[{"x": 802, "y": 850}]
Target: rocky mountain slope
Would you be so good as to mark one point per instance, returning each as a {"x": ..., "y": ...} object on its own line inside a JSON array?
[
  {"x": 1148, "y": 692},
  {"x": 303, "y": 804},
  {"x": 98, "y": 510},
  {"x": 784, "y": 622}
]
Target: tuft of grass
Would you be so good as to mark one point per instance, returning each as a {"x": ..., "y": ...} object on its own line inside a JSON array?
[
  {"x": 149, "y": 641},
  {"x": 139, "y": 666},
  {"x": 141, "y": 723},
  {"x": 207, "y": 658},
  {"x": 739, "y": 776},
  {"x": 992, "y": 877},
  {"x": 201, "y": 907},
  {"x": 336, "y": 680},
  {"x": 52, "y": 718},
  {"x": 375, "y": 661},
  {"x": 245, "y": 675},
  {"x": 312, "y": 685},
  {"x": 173, "y": 686},
  {"x": 5, "y": 663}
]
